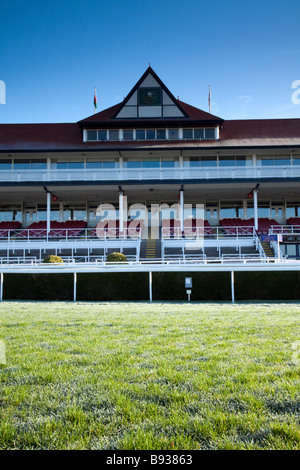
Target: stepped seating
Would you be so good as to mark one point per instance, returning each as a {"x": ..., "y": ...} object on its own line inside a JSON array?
[
  {"x": 232, "y": 226},
  {"x": 294, "y": 222},
  {"x": 111, "y": 229},
  {"x": 7, "y": 227},
  {"x": 196, "y": 227},
  {"x": 237, "y": 226},
  {"x": 70, "y": 228},
  {"x": 191, "y": 227}
]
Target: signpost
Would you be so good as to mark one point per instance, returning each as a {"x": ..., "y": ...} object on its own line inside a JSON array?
[{"x": 188, "y": 287}]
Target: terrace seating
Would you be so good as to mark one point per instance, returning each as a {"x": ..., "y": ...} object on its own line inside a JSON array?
[
  {"x": 196, "y": 227},
  {"x": 70, "y": 228},
  {"x": 7, "y": 227},
  {"x": 237, "y": 226},
  {"x": 111, "y": 229},
  {"x": 171, "y": 228},
  {"x": 294, "y": 222},
  {"x": 191, "y": 227}
]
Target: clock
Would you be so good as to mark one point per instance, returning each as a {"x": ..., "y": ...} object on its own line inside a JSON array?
[{"x": 149, "y": 96}]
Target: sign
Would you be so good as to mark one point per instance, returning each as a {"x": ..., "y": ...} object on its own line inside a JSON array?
[
  {"x": 271, "y": 238},
  {"x": 188, "y": 283}
]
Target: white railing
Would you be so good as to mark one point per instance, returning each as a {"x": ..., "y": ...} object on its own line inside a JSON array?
[
  {"x": 284, "y": 229},
  {"x": 208, "y": 232},
  {"x": 141, "y": 174},
  {"x": 31, "y": 234},
  {"x": 176, "y": 262}
]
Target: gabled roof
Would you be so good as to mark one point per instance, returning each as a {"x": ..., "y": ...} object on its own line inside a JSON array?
[{"x": 179, "y": 112}]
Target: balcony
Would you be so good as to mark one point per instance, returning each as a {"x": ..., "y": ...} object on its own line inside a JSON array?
[{"x": 149, "y": 174}]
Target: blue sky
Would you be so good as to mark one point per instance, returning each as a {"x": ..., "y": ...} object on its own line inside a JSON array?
[{"x": 53, "y": 54}]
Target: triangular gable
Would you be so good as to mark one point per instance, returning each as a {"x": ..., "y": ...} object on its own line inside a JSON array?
[{"x": 150, "y": 98}]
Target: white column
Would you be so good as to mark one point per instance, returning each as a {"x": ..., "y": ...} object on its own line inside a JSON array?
[
  {"x": 75, "y": 286},
  {"x": 255, "y": 209},
  {"x": 232, "y": 286},
  {"x": 181, "y": 210},
  {"x": 48, "y": 211},
  {"x": 150, "y": 286},
  {"x": 121, "y": 212}
]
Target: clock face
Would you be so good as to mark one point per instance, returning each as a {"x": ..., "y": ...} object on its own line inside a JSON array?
[{"x": 149, "y": 96}]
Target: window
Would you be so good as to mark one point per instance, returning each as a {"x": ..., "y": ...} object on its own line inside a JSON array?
[
  {"x": 173, "y": 134},
  {"x": 5, "y": 165},
  {"x": 161, "y": 134},
  {"x": 140, "y": 134},
  {"x": 198, "y": 133},
  {"x": 188, "y": 133},
  {"x": 128, "y": 134},
  {"x": 209, "y": 133},
  {"x": 91, "y": 135},
  {"x": 113, "y": 135},
  {"x": 102, "y": 135}
]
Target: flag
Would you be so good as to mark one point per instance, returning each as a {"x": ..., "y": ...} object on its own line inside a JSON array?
[
  {"x": 209, "y": 94},
  {"x": 95, "y": 101}
]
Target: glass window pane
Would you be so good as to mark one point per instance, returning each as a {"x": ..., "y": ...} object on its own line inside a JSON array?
[
  {"x": 150, "y": 134},
  {"x": 101, "y": 135},
  {"x": 21, "y": 164},
  {"x": 151, "y": 163},
  {"x": 173, "y": 134},
  {"x": 266, "y": 161},
  {"x": 38, "y": 164},
  {"x": 5, "y": 165},
  {"x": 208, "y": 161},
  {"x": 140, "y": 134},
  {"x": 113, "y": 135},
  {"x": 128, "y": 134},
  {"x": 187, "y": 133},
  {"x": 91, "y": 135},
  {"x": 161, "y": 134},
  {"x": 226, "y": 161},
  {"x": 296, "y": 161},
  {"x": 198, "y": 133},
  {"x": 209, "y": 133},
  {"x": 93, "y": 164}
]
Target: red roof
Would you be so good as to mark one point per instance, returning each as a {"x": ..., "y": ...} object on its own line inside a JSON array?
[{"x": 233, "y": 133}]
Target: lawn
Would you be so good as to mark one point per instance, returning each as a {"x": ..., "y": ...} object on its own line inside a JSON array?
[{"x": 100, "y": 375}]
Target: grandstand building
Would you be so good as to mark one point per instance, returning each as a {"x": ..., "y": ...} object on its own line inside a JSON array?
[{"x": 155, "y": 178}]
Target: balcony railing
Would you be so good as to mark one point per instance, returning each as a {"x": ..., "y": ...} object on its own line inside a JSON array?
[{"x": 144, "y": 174}]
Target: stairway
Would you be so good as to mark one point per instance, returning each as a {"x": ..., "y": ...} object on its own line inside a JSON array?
[
  {"x": 150, "y": 249},
  {"x": 267, "y": 249}
]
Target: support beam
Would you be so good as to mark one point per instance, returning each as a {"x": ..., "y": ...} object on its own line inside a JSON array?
[
  {"x": 181, "y": 210},
  {"x": 121, "y": 211},
  {"x": 1, "y": 287},
  {"x": 232, "y": 286},
  {"x": 255, "y": 209},
  {"x": 150, "y": 286},
  {"x": 48, "y": 211},
  {"x": 75, "y": 287}
]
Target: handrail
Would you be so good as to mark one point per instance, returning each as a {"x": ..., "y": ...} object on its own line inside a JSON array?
[{"x": 121, "y": 174}]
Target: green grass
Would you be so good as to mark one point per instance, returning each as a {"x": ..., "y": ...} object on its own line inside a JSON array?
[{"x": 149, "y": 376}]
